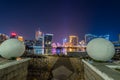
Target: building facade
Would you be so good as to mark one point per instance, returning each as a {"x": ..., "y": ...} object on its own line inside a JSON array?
[
  {"x": 48, "y": 42},
  {"x": 89, "y": 37},
  {"x": 73, "y": 40}
]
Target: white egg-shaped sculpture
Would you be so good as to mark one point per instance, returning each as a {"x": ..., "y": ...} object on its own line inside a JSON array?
[
  {"x": 12, "y": 48},
  {"x": 100, "y": 49}
]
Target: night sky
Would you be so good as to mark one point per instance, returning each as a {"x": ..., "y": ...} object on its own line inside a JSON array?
[{"x": 60, "y": 17}]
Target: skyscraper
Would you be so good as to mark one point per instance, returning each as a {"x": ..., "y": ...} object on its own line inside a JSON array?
[
  {"x": 73, "y": 40},
  {"x": 38, "y": 34},
  {"x": 39, "y": 43},
  {"x": 47, "y": 42}
]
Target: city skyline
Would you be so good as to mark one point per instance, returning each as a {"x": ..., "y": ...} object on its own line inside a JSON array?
[{"x": 60, "y": 17}]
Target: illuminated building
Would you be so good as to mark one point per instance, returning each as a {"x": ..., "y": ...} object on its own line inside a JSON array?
[
  {"x": 13, "y": 35},
  {"x": 39, "y": 46},
  {"x": 64, "y": 51},
  {"x": 3, "y": 37},
  {"x": 48, "y": 42},
  {"x": 54, "y": 45},
  {"x": 59, "y": 50},
  {"x": 38, "y": 34},
  {"x": 73, "y": 40},
  {"x": 89, "y": 37},
  {"x": 53, "y": 48},
  {"x": 29, "y": 45},
  {"x": 39, "y": 43},
  {"x": 82, "y": 45},
  {"x": 64, "y": 41},
  {"x": 20, "y": 38}
]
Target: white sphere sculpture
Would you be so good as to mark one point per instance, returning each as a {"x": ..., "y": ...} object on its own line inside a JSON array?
[
  {"x": 12, "y": 48},
  {"x": 100, "y": 49}
]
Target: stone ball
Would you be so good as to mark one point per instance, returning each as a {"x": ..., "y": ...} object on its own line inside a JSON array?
[
  {"x": 100, "y": 49},
  {"x": 12, "y": 48}
]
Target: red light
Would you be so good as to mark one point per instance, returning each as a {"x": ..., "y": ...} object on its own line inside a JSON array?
[{"x": 13, "y": 34}]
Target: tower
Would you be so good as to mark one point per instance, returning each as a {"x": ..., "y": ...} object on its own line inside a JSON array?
[
  {"x": 74, "y": 40},
  {"x": 47, "y": 42},
  {"x": 39, "y": 43},
  {"x": 38, "y": 34}
]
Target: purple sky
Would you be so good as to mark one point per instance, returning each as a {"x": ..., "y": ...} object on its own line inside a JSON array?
[{"x": 60, "y": 17}]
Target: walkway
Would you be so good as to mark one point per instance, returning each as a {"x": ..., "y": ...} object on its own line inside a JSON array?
[{"x": 65, "y": 69}]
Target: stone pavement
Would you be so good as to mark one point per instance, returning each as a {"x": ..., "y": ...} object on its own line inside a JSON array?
[{"x": 64, "y": 69}]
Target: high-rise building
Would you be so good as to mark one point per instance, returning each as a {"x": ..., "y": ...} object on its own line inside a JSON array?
[
  {"x": 73, "y": 40},
  {"x": 39, "y": 43},
  {"x": 89, "y": 37},
  {"x": 48, "y": 42},
  {"x": 38, "y": 35}
]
